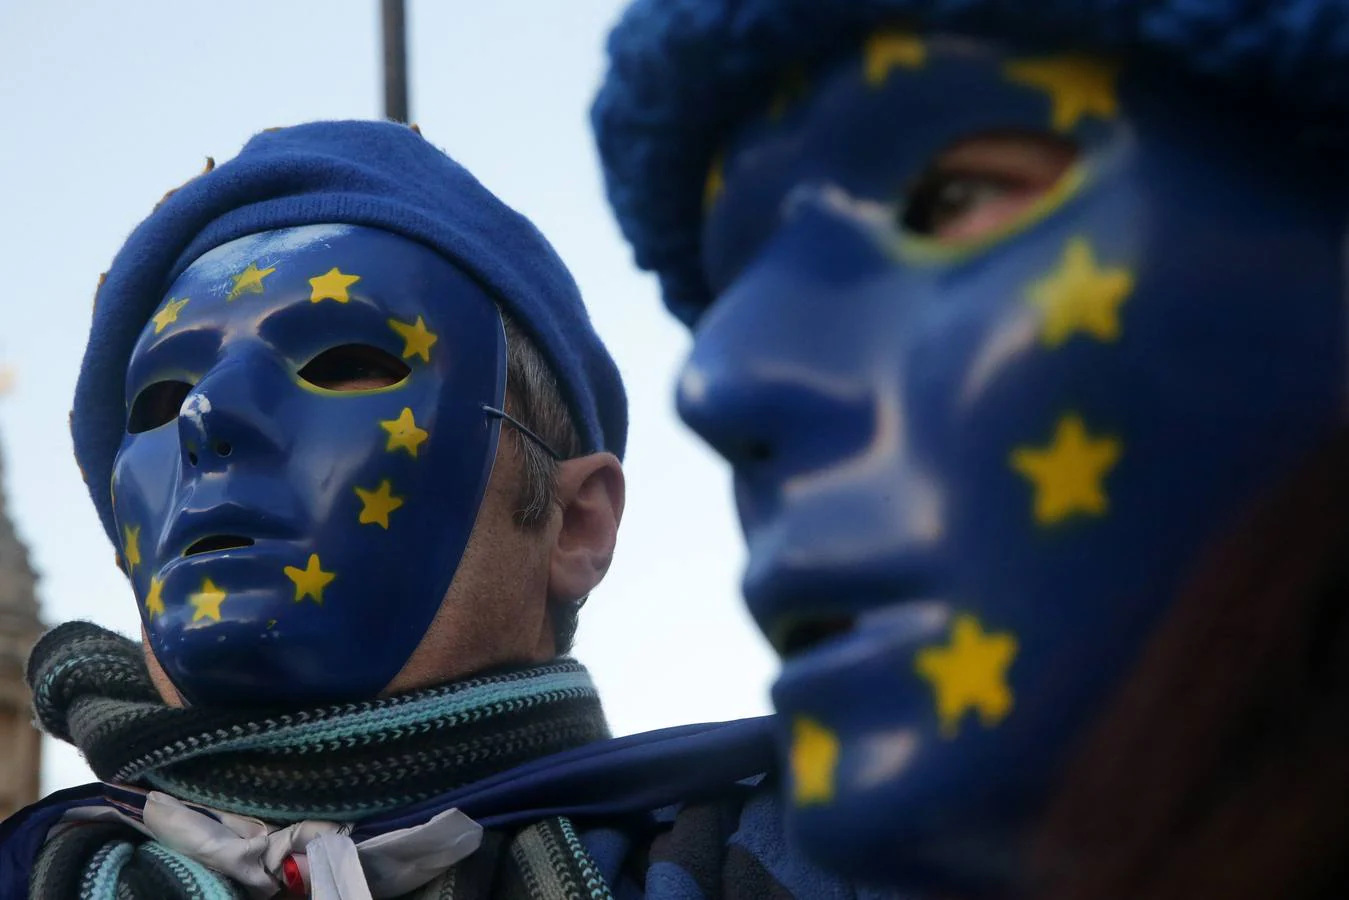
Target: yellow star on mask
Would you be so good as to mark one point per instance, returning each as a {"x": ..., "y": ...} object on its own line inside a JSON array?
[
  {"x": 331, "y": 285},
  {"x": 1081, "y": 296},
  {"x": 154, "y": 601},
  {"x": 131, "y": 547},
  {"x": 970, "y": 673},
  {"x": 417, "y": 340},
  {"x": 1077, "y": 86},
  {"x": 403, "y": 433},
  {"x": 206, "y": 602},
  {"x": 377, "y": 504},
  {"x": 249, "y": 281},
  {"x": 168, "y": 315},
  {"x": 715, "y": 184},
  {"x": 309, "y": 581},
  {"x": 793, "y": 88},
  {"x": 814, "y": 759},
  {"x": 1067, "y": 474},
  {"x": 889, "y": 49}
]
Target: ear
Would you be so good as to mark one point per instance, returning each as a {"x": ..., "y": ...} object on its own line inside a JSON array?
[{"x": 590, "y": 496}]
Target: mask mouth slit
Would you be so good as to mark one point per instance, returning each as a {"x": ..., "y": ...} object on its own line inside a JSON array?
[{"x": 218, "y": 542}]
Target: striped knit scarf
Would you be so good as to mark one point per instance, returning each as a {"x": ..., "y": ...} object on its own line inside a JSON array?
[{"x": 335, "y": 763}]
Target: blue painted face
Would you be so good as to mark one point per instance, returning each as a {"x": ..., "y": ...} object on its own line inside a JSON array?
[
  {"x": 974, "y": 469},
  {"x": 305, "y": 455}
]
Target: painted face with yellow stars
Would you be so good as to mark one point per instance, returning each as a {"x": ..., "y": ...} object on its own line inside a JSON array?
[
  {"x": 306, "y": 449},
  {"x": 1001, "y": 342}
]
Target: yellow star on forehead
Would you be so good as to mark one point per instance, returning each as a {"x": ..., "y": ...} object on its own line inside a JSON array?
[
  {"x": 417, "y": 340},
  {"x": 403, "y": 433},
  {"x": 249, "y": 281},
  {"x": 890, "y": 49},
  {"x": 970, "y": 673},
  {"x": 377, "y": 504},
  {"x": 814, "y": 759},
  {"x": 131, "y": 546},
  {"x": 154, "y": 600},
  {"x": 1077, "y": 86},
  {"x": 715, "y": 184},
  {"x": 206, "y": 602},
  {"x": 331, "y": 285},
  {"x": 1081, "y": 296},
  {"x": 1067, "y": 474},
  {"x": 309, "y": 581},
  {"x": 168, "y": 314}
]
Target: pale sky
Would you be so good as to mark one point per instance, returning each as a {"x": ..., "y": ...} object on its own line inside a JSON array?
[{"x": 107, "y": 106}]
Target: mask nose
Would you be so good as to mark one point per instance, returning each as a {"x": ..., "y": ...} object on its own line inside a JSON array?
[
  {"x": 773, "y": 391},
  {"x": 764, "y": 413},
  {"x": 231, "y": 414},
  {"x": 780, "y": 380}
]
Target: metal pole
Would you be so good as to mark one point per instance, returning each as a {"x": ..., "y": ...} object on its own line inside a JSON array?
[{"x": 394, "y": 20}]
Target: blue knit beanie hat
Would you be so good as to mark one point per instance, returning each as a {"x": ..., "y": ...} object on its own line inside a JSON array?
[
  {"x": 376, "y": 174},
  {"x": 682, "y": 73}
]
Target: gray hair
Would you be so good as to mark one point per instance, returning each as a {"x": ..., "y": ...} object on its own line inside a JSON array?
[{"x": 533, "y": 397}]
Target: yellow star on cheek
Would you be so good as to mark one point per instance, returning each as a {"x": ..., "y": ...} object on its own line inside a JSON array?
[
  {"x": 814, "y": 759},
  {"x": 417, "y": 340},
  {"x": 1081, "y": 296},
  {"x": 309, "y": 581},
  {"x": 1077, "y": 86},
  {"x": 970, "y": 673},
  {"x": 154, "y": 601},
  {"x": 331, "y": 285},
  {"x": 131, "y": 547},
  {"x": 249, "y": 281},
  {"x": 168, "y": 315},
  {"x": 206, "y": 602},
  {"x": 377, "y": 504},
  {"x": 403, "y": 433},
  {"x": 888, "y": 50},
  {"x": 1067, "y": 474}
]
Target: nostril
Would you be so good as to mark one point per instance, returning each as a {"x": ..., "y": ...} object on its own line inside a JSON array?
[
  {"x": 192, "y": 458},
  {"x": 223, "y": 449},
  {"x": 757, "y": 452}
]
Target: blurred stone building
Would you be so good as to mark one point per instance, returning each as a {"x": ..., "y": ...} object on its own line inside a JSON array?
[{"x": 20, "y": 747}]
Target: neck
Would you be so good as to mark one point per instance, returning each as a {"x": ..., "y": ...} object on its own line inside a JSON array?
[{"x": 91, "y": 688}]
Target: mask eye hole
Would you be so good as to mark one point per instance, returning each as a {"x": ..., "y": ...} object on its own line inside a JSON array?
[
  {"x": 157, "y": 404},
  {"x": 354, "y": 367},
  {"x": 984, "y": 184}
]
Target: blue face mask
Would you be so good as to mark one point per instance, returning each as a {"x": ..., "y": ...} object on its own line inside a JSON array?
[
  {"x": 307, "y": 446},
  {"x": 974, "y": 476}
]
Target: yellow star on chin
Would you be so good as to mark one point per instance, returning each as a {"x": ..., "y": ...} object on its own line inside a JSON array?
[
  {"x": 403, "y": 433},
  {"x": 417, "y": 340},
  {"x": 168, "y": 314},
  {"x": 814, "y": 759},
  {"x": 889, "y": 49},
  {"x": 154, "y": 600},
  {"x": 309, "y": 581},
  {"x": 131, "y": 544},
  {"x": 1081, "y": 296},
  {"x": 970, "y": 673},
  {"x": 377, "y": 504},
  {"x": 1067, "y": 475},
  {"x": 206, "y": 602},
  {"x": 1077, "y": 86},
  {"x": 331, "y": 285},
  {"x": 249, "y": 281}
]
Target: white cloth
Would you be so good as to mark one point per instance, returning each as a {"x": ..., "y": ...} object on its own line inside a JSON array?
[{"x": 335, "y": 866}]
